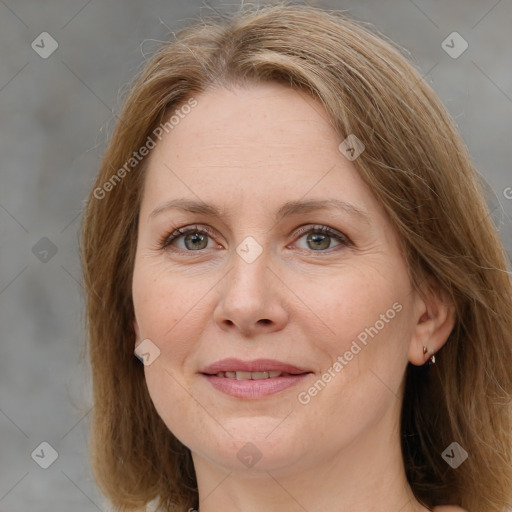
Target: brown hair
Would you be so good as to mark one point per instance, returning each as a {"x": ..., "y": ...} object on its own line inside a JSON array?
[{"x": 416, "y": 164}]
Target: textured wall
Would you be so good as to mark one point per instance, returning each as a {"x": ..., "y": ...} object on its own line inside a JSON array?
[{"x": 55, "y": 110}]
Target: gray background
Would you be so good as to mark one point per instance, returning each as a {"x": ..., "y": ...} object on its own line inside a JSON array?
[{"x": 55, "y": 114}]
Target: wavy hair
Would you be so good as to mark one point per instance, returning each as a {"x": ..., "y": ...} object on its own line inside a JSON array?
[{"x": 418, "y": 167}]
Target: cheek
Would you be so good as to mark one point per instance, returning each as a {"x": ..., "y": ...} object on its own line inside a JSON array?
[
  {"x": 345, "y": 303},
  {"x": 162, "y": 300},
  {"x": 173, "y": 403},
  {"x": 168, "y": 314},
  {"x": 373, "y": 327},
  {"x": 363, "y": 335}
]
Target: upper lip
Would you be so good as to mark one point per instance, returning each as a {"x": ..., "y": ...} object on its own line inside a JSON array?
[{"x": 256, "y": 365}]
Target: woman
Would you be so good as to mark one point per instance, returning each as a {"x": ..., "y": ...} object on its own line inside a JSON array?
[{"x": 280, "y": 231}]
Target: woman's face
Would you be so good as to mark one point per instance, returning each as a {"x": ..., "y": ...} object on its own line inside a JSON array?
[{"x": 257, "y": 174}]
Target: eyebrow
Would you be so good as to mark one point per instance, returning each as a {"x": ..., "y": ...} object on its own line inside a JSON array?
[{"x": 288, "y": 209}]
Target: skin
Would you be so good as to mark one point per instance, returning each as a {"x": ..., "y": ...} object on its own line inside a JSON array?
[{"x": 248, "y": 151}]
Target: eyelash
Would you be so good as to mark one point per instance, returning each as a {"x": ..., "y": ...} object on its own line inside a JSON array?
[{"x": 167, "y": 239}]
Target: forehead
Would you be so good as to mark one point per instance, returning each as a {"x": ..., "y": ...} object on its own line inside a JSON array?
[
  {"x": 267, "y": 118},
  {"x": 252, "y": 146}
]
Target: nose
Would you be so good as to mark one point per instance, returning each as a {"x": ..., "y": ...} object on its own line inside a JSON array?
[{"x": 252, "y": 298}]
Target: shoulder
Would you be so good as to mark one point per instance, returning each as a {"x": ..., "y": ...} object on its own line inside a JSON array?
[{"x": 448, "y": 508}]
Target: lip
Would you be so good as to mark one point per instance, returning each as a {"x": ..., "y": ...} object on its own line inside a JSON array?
[
  {"x": 253, "y": 389},
  {"x": 256, "y": 365}
]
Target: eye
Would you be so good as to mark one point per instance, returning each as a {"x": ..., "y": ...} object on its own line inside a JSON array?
[
  {"x": 319, "y": 238},
  {"x": 195, "y": 238}
]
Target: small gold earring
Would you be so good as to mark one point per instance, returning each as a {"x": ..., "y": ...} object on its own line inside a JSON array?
[{"x": 432, "y": 357}]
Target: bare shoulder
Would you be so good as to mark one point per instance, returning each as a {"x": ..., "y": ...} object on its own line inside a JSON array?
[{"x": 448, "y": 508}]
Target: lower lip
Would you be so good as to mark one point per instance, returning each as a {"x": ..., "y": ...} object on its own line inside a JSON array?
[{"x": 254, "y": 388}]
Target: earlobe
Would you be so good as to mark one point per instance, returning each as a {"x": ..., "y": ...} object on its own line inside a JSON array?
[
  {"x": 431, "y": 353},
  {"x": 435, "y": 321}
]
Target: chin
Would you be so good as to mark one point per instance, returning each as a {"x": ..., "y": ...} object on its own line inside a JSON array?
[{"x": 256, "y": 446}]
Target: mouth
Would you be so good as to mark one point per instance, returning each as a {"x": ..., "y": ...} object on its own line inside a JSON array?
[
  {"x": 253, "y": 379},
  {"x": 240, "y": 375},
  {"x": 261, "y": 368}
]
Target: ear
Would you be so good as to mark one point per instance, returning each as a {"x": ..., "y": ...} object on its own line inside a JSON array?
[{"x": 435, "y": 318}]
